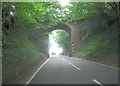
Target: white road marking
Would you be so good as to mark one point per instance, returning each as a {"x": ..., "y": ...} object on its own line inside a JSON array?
[
  {"x": 96, "y": 81},
  {"x": 71, "y": 64},
  {"x": 36, "y": 72},
  {"x": 96, "y": 63},
  {"x": 74, "y": 66},
  {"x": 64, "y": 59}
]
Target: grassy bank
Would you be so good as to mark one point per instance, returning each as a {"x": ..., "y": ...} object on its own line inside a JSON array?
[
  {"x": 19, "y": 54},
  {"x": 100, "y": 41}
]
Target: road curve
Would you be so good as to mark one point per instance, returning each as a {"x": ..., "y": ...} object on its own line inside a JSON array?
[{"x": 68, "y": 70}]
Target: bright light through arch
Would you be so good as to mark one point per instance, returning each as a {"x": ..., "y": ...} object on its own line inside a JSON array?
[
  {"x": 53, "y": 44},
  {"x": 63, "y": 2},
  {"x": 56, "y": 50}
]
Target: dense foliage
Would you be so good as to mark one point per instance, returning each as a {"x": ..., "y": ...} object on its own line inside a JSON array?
[
  {"x": 45, "y": 14},
  {"x": 101, "y": 31},
  {"x": 101, "y": 23},
  {"x": 62, "y": 39}
]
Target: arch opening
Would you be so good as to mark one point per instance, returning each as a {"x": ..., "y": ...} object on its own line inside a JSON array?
[
  {"x": 59, "y": 42},
  {"x": 62, "y": 34}
]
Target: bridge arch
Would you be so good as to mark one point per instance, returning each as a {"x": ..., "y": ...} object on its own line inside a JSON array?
[{"x": 64, "y": 27}]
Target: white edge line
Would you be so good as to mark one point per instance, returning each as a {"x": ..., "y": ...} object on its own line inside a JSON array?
[
  {"x": 37, "y": 71},
  {"x": 96, "y": 63}
]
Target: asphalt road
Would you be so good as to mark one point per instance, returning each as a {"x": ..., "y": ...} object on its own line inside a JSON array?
[{"x": 69, "y": 70}]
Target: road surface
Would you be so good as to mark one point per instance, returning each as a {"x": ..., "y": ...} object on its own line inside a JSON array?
[{"x": 69, "y": 70}]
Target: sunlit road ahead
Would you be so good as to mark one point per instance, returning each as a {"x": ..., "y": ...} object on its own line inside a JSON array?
[{"x": 68, "y": 70}]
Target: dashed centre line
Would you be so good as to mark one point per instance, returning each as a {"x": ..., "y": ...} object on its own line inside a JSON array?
[
  {"x": 96, "y": 81},
  {"x": 64, "y": 59},
  {"x": 72, "y": 64}
]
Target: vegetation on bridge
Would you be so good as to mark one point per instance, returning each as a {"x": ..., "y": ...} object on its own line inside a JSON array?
[{"x": 100, "y": 26}]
